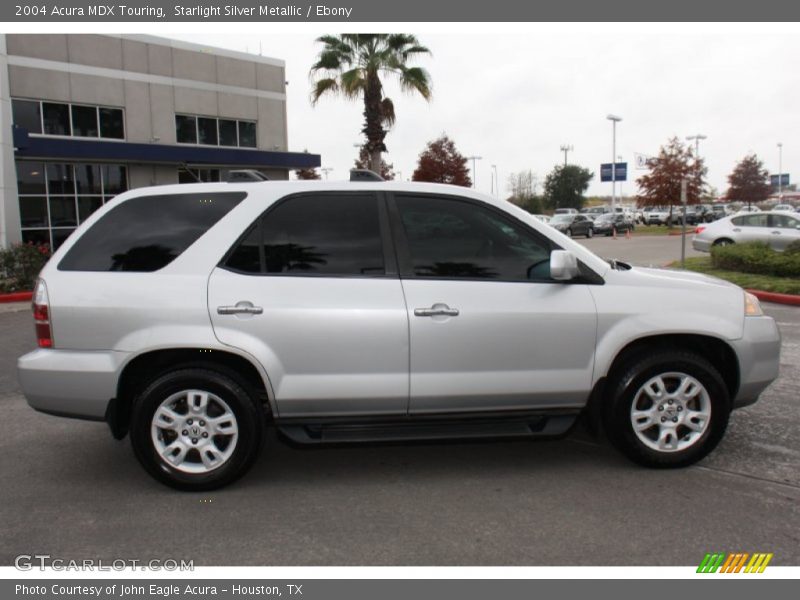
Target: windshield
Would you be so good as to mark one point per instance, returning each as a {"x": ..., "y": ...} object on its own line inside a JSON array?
[{"x": 561, "y": 219}]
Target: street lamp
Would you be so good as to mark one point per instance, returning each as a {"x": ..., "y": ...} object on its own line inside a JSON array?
[
  {"x": 495, "y": 182},
  {"x": 473, "y": 159},
  {"x": 696, "y": 138},
  {"x": 566, "y": 148},
  {"x": 614, "y": 120},
  {"x": 780, "y": 171},
  {"x": 621, "y": 184}
]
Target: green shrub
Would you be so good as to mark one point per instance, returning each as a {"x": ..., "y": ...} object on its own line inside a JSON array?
[
  {"x": 20, "y": 265},
  {"x": 757, "y": 257},
  {"x": 793, "y": 248}
]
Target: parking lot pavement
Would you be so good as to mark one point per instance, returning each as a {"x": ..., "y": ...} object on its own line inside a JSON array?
[
  {"x": 645, "y": 250},
  {"x": 70, "y": 491}
]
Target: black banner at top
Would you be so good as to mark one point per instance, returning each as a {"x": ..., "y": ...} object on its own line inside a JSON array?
[{"x": 32, "y": 11}]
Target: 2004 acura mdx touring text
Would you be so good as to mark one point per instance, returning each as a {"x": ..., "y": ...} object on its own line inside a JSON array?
[{"x": 191, "y": 315}]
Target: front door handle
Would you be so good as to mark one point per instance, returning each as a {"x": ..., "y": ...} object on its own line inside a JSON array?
[
  {"x": 776, "y": 233},
  {"x": 240, "y": 308},
  {"x": 736, "y": 229},
  {"x": 437, "y": 310}
]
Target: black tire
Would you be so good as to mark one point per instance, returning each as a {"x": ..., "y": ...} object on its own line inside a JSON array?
[
  {"x": 623, "y": 387},
  {"x": 569, "y": 232},
  {"x": 245, "y": 407},
  {"x": 722, "y": 242},
  {"x": 589, "y": 233}
]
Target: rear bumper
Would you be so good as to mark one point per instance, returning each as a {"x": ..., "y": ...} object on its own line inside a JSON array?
[
  {"x": 701, "y": 245},
  {"x": 759, "y": 358},
  {"x": 69, "y": 383}
]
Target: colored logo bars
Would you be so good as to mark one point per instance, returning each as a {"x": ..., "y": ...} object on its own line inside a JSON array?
[{"x": 735, "y": 562}]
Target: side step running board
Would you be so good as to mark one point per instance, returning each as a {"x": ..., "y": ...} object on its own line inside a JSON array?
[{"x": 410, "y": 429}]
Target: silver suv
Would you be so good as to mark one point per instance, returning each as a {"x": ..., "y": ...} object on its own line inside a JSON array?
[{"x": 191, "y": 315}]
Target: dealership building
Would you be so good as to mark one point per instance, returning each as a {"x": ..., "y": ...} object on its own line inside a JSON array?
[{"x": 85, "y": 117}]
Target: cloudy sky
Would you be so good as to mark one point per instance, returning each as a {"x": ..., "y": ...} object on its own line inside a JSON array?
[{"x": 515, "y": 98}]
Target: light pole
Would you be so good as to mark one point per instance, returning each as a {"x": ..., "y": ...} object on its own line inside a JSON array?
[
  {"x": 496, "y": 182},
  {"x": 621, "y": 183},
  {"x": 696, "y": 138},
  {"x": 566, "y": 148},
  {"x": 780, "y": 171},
  {"x": 614, "y": 120},
  {"x": 473, "y": 159},
  {"x": 326, "y": 170}
]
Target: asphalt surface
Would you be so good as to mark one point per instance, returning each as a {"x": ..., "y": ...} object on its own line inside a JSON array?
[
  {"x": 644, "y": 250},
  {"x": 69, "y": 490}
]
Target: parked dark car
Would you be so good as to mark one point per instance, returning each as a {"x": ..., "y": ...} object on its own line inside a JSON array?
[
  {"x": 605, "y": 224},
  {"x": 573, "y": 225},
  {"x": 699, "y": 213}
]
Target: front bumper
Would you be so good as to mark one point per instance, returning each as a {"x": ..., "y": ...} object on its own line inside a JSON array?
[
  {"x": 759, "y": 352},
  {"x": 70, "y": 383}
]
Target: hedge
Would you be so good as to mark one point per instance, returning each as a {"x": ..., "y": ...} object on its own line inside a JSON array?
[
  {"x": 759, "y": 258},
  {"x": 20, "y": 265}
]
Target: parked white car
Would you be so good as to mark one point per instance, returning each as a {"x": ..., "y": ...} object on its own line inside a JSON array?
[
  {"x": 784, "y": 208},
  {"x": 543, "y": 218},
  {"x": 189, "y": 316},
  {"x": 776, "y": 229}
]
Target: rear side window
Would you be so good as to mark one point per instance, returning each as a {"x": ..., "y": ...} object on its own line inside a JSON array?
[
  {"x": 147, "y": 233},
  {"x": 325, "y": 235}
]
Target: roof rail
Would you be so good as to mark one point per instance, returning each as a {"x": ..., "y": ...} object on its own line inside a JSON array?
[
  {"x": 364, "y": 175},
  {"x": 238, "y": 175}
]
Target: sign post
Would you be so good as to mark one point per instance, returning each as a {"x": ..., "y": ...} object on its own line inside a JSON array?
[{"x": 683, "y": 224}]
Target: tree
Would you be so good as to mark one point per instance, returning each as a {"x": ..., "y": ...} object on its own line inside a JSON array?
[
  {"x": 352, "y": 64},
  {"x": 307, "y": 174},
  {"x": 749, "y": 181},
  {"x": 523, "y": 191},
  {"x": 386, "y": 171},
  {"x": 441, "y": 162},
  {"x": 565, "y": 185},
  {"x": 662, "y": 185}
]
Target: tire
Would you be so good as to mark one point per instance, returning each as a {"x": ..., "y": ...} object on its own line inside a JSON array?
[
  {"x": 700, "y": 422},
  {"x": 589, "y": 233},
  {"x": 231, "y": 436},
  {"x": 722, "y": 242},
  {"x": 569, "y": 232}
]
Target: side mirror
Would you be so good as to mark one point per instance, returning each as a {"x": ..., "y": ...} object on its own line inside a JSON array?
[{"x": 563, "y": 265}]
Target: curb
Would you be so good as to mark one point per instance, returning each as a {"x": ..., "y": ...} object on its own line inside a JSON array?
[
  {"x": 790, "y": 299},
  {"x": 16, "y": 297}
]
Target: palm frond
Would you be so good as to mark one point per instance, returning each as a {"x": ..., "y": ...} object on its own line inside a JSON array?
[
  {"x": 416, "y": 79},
  {"x": 387, "y": 112},
  {"x": 352, "y": 82},
  {"x": 328, "y": 85}
]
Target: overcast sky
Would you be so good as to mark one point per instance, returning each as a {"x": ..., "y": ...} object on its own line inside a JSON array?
[{"x": 514, "y": 99}]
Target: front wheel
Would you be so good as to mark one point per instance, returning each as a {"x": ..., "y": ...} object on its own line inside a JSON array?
[
  {"x": 196, "y": 429},
  {"x": 589, "y": 232},
  {"x": 569, "y": 232},
  {"x": 669, "y": 409}
]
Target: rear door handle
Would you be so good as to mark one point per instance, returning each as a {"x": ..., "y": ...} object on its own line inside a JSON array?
[
  {"x": 736, "y": 229},
  {"x": 240, "y": 308},
  {"x": 437, "y": 310},
  {"x": 776, "y": 233}
]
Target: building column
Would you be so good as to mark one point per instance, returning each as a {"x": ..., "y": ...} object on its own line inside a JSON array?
[{"x": 9, "y": 201}]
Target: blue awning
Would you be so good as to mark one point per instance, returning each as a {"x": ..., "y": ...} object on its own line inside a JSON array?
[{"x": 79, "y": 149}]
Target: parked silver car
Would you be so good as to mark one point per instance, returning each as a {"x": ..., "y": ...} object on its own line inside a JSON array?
[
  {"x": 191, "y": 315},
  {"x": 774, "y": 228}
]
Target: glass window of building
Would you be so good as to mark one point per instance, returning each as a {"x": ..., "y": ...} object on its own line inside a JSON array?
[
  {"x": 247, "y": 134},
  {"x": 186, "y": 129},
  {"x": 56, "y": 118},
  {"x": 54, "y": 198},
  {"x": 209, "y": 131},
  {"x": 27, "y": 114},
  {"x": 112, "y": 123},
  {"x": 84, "y": 121}
]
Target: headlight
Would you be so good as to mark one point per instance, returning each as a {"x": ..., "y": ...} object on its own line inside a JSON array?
[{"x": 752, "y": 307}]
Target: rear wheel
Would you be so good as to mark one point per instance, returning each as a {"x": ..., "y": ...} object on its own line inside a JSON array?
[
  {"x": 589, "y": 232},
  {"x": 569, "y": 232},
  {"x": 669, "y": 409},
  {"x": 196, "y": 429},
  {"x": 723, "y": 242}
]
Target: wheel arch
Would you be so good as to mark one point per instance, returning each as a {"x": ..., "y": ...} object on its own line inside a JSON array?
[{"x": 141, "y": 369}]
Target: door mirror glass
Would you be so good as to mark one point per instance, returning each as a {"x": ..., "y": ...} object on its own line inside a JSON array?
[{"x": 563, "y": 265}]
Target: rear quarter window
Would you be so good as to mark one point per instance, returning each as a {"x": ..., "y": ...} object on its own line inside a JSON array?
[{"x": 147, "y": 233}]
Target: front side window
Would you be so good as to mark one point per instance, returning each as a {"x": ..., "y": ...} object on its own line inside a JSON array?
[
  {"x": 759, "y": 220},
  {"x": 784, "y": 222},
  {"x": 328, "y": 235},
  {"x": 147, "y": 233},
  {"x": 454, "y": 239}
]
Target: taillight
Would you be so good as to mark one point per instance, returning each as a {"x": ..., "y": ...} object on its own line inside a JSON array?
[
  {"x": 41, "y": 315},
  {"x": 700, "y": 229}
]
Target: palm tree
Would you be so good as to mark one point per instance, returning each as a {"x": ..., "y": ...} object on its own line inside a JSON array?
[{"x": 352, "y": 64}]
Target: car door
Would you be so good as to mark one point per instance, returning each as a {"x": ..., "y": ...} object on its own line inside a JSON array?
[
  {"x": 581, "y": 225},
  {"x": 784, "y": 229},
  {"x": 751, "y": 228},
  {"x": 312, "y": 292},
  {"x": 489, "y": 329}
]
